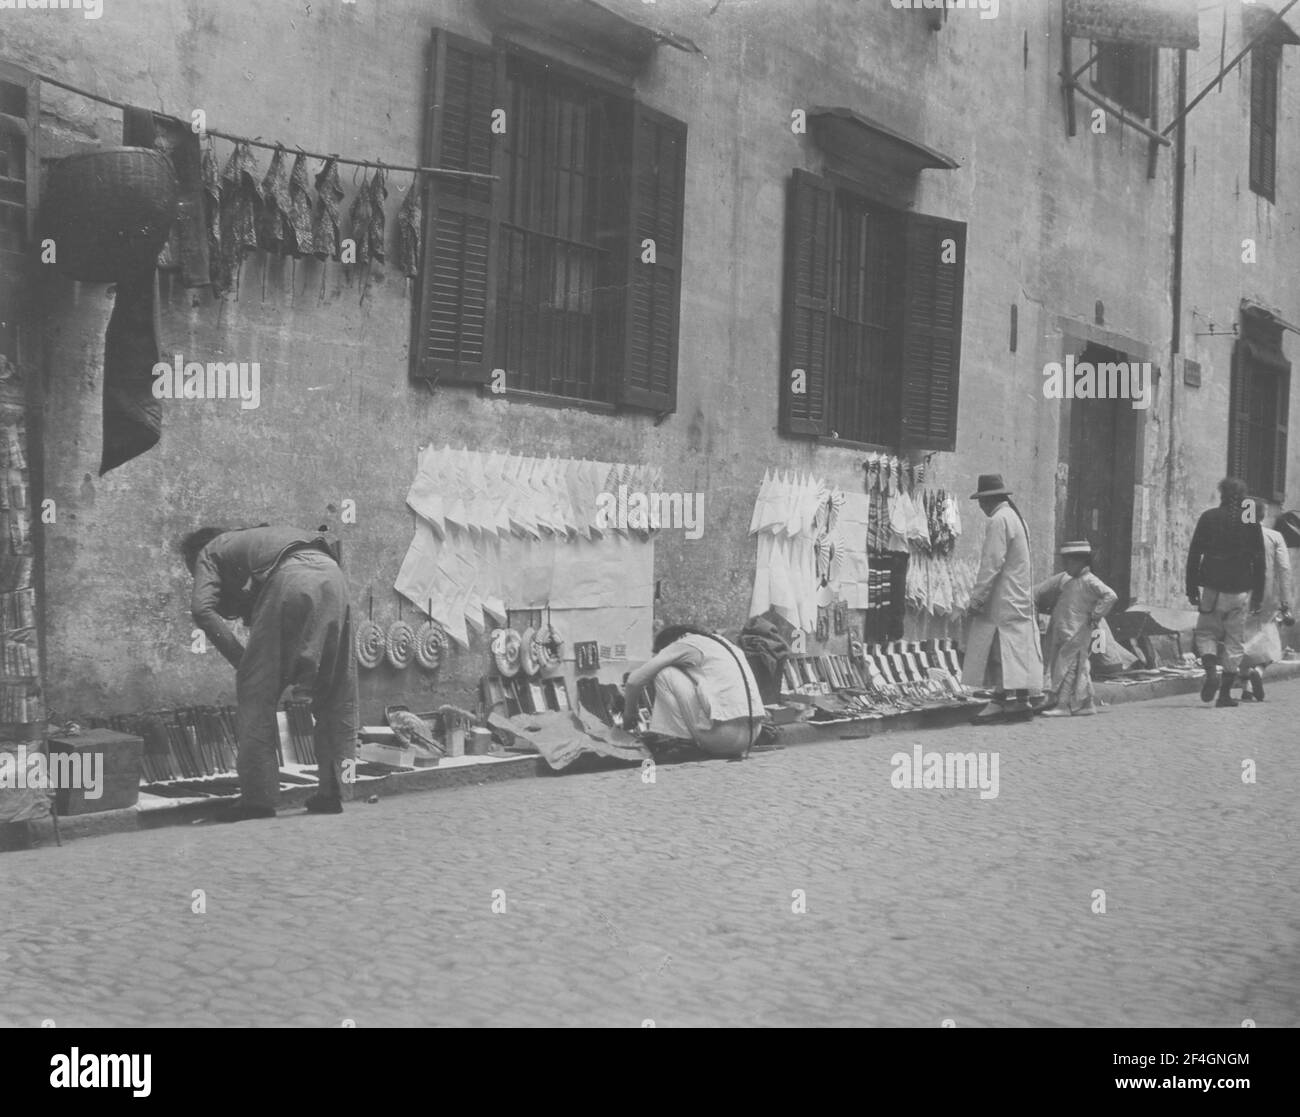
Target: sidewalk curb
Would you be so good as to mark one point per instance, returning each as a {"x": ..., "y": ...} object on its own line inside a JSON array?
[{"x": 797, "y": 734}]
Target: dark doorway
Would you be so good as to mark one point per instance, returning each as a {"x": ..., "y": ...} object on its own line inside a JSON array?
[{"x": 1103, "y": 468}]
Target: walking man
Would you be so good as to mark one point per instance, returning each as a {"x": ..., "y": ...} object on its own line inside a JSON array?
[
  {"x": 1225, "y": 580},
  {"x": 287, "y": 586},
  {"x": 1002, "y": 649}
]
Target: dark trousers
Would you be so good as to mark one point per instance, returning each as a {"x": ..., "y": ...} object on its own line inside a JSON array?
[{"x": 301, "y": 638}]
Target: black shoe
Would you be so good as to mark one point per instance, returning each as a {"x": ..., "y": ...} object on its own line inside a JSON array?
[
  {"x": 1256, "y": 685},
  {"x": 1225, "y": 691},
  {"x": 324, "y": 804},
  {"x": 238, "y": 811},
  {"x": 1210, "y": 683}
]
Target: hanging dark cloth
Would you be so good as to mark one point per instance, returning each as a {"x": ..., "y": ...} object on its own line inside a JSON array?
[
  {"x": 132, "y": 416},
  {"x": 325, "y": 226},
  {"x": 299, "y": 215},
  {"x": 409, "y": 221},
  {"x": 378, "y": 194},
  {"x": 241, "y": 199},
  {"x": 218, "y": 267},
  {"x": 359, "y": 223},
  {"x": 274, "y": 232}
]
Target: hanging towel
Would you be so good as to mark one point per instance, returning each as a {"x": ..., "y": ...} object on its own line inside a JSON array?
[{"x": 325, "y": 223}]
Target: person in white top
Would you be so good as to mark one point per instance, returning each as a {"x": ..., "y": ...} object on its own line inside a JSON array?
[
  {"x": 1263, "y": 641},
  {"x": 704, "y": 692}
]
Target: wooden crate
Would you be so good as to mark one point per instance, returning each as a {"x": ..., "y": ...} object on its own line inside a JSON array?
[{"x": 118, "y": 770}]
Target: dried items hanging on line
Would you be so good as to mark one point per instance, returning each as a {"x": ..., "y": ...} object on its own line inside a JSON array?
[
  {"x": 218, "y": 269},
  {"x": 241, "y": 199},
  {"x": 409, "y": 222},
  {"x": 274, "y": 233},
  {"x": 299, "y": 215},
  {"x": 359, "y": 225},
  {"x": 325, "y": 223},
  {"x": 378, "y": 193}
]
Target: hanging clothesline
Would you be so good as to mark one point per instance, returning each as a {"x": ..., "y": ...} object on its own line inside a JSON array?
[{"x": 442, "y": 172}]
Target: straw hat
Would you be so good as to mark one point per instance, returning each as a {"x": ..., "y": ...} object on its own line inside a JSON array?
[
  {"x": 528, "y": 651},
  {"x": 1077, "y": 548}
]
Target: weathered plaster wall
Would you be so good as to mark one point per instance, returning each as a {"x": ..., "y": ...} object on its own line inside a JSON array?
[{"x": 1055, "y": 224}]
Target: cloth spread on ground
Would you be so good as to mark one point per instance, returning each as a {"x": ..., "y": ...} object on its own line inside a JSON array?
[{"x": 561, "y": 736}]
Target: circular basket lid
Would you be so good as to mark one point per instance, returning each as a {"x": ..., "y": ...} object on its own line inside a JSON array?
[
  {"x": 528, "y": 651},
  {"x": 429, "y": 643},
  {"x": 505, "y": 651},
  {"x": 401, "y": 644},
  {"x": 369, "y": 644}
]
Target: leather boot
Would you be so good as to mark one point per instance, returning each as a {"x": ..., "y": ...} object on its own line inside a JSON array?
[
  {"x": 1225, "y": 690},
  {"x": 1210, "y": 682}
]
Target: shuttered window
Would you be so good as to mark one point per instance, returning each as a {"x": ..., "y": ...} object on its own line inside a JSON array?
[
  {"x": 872, "y": 330},
  {"x": 654, "y": 261},
  {"x": 1126, "y": 74},
  {"x": 1260, "y": 402},
  {"x": 1265, "y": 60},
  {"x": 542, "y": 278}
]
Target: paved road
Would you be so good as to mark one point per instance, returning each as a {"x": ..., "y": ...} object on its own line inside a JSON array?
[{"x": 672, "y": 901}]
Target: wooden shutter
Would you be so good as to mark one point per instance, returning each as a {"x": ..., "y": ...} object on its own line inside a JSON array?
[
  {"x": 932, "y": 301},
  {"x": 1238, "y": 411},
  {"x": 652, "y": 309},
  {"x": 807, "y": 327},
  {"x": 1279, "y": 446},
  {"x": 458, "y": 280},
  {"x": 1264, "y": 65}
]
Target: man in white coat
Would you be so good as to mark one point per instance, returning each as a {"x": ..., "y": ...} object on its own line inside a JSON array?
[{"x": 1002, "y": 648}]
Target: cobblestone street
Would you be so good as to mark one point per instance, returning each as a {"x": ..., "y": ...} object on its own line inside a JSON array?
[{"x": 672, "y": 901}]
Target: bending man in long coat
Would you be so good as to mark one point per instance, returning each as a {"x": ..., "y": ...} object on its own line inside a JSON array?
[
  {"x": 1002, "y": 649},
  {"x": 288, "y": 587}
]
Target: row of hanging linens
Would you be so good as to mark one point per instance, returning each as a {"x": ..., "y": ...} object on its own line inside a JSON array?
[
  {"x": 497, "y": 532},
  {"x": 509, "y": 494},
  {"x": 815, "y": 542}
]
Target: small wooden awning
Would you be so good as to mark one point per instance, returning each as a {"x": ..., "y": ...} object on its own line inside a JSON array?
[
  {"x": 584, "y": 24},
  {"x": 853, "y": 136}
]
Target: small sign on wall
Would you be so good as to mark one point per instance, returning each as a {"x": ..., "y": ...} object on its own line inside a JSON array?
[{"x": 1192, "y": 373}]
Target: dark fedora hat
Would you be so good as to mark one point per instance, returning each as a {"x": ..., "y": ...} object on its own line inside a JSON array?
[{"x": 990, "y": 484}]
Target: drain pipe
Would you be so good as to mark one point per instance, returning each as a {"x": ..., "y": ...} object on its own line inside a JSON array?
[{"x": 1176, "y": 279}]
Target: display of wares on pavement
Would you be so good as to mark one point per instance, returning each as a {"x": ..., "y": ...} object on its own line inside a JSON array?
[{"x": 875, "y": 680}]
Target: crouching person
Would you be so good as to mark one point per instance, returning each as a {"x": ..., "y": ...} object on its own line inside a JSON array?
[
  {"x": 287, "y": 586},
  {"x": 704, "y": 692},
  {"x": 1077, "y": 600}
]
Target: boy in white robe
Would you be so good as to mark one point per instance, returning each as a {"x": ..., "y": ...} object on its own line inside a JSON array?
[{"x": 1077, "y": 600}]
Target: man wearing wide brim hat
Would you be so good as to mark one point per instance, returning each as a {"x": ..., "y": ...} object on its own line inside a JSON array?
[{"x": 1002, "y": 650}]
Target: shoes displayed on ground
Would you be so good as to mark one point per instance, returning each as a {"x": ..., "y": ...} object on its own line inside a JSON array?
[
  {"x": 324, "y": 804},
  {"x": 990, "y": 712},
  {"x": 239, "y": 811}
]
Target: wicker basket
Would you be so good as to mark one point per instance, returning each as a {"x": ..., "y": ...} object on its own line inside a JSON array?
[{"x": 109, "y": 211}]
